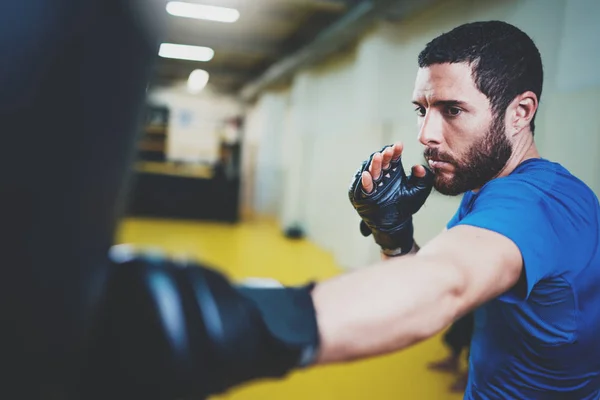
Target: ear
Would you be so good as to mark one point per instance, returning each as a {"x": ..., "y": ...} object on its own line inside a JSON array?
[{"x": 522, "y": 110}]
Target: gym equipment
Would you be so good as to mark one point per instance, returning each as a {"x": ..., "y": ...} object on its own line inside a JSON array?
[{"x": 78, "y": 324}]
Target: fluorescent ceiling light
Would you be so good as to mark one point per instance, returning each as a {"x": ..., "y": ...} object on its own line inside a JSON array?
[
  {"x": 199, "y": 11},
  {"x": 185, "y": 52},
  {"x": 197, "y": 80}
]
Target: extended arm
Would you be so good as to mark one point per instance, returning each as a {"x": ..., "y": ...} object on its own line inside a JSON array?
[
  {"x": 407, "y": 299},
  {"x": 169, "y": 331}
]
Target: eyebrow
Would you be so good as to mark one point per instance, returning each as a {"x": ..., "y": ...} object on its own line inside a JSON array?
[{"x": 447, "y": 103}]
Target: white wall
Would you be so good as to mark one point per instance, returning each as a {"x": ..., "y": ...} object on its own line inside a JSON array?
[
  {"x": 571, "y": 130},
  {"x": 195, "y": 122},
  {"x": 263, "y": 137},
  {"x": 337, "y": 114}
]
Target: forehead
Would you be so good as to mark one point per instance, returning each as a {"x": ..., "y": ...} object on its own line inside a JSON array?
[{"x": 446, "y": 82}]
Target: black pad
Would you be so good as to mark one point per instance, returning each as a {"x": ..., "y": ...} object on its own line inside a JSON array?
[{"x": 166, "y": 330}]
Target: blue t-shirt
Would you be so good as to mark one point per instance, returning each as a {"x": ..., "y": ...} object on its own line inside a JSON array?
[{"x": 541, "y": 339}]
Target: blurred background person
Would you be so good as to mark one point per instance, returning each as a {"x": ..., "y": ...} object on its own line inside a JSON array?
[{"x": 457, "y": 339}]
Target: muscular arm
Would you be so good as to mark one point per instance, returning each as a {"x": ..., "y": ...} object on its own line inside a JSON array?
[{"x": 407, "y": 299}]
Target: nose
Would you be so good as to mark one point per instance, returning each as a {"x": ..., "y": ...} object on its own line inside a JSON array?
[{"x": 431, "y": 129}]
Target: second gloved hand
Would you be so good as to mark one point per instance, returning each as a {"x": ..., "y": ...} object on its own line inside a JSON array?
[{"x": 387, "y": 205}]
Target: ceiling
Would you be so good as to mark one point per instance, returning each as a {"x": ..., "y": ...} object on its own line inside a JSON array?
[
  {"x": 267, "y": 31},
  {"x": 267, "y": 34}
]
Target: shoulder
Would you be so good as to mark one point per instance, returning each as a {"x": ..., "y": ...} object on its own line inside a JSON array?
[
  {"x": 540, "y": 202},
  {"x": 542, "y": 183},
  {"x": 551, "y": 215},
  {"x": 541, "y": 205}
]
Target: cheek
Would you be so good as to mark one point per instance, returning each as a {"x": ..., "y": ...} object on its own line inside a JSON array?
[
  {"x": 464, "y": 131},
  {"x": 457, "y": 137}
]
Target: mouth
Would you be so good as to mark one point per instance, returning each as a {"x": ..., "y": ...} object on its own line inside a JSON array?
[{"x": 437, "y": 164}]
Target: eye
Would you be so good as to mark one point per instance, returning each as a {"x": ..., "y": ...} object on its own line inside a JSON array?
[
  {"x": 453, "y": 111},
  {"x": 420, "y": 111}
]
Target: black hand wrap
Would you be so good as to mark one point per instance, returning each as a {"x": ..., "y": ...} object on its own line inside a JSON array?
[
  {"x": 387, "y": 211},
  {"x": 170, "y": 331}
]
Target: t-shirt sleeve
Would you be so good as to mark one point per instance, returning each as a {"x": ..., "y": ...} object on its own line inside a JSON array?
[
  {"x": 456, "y": 217},
  {"x": 453, "y": 221},
  {"x": 524, "y": 214}
]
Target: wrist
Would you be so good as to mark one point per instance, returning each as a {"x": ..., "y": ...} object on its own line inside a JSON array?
[
  {"x": 396, "y": 241},
  {"x": 394, "y": 252},
  {"x": 387, "y": 253},
  {"x": 399, "y": 251}
]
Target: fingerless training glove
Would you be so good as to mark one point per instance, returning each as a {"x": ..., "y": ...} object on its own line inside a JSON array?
[{"x": 387, "y": 211}]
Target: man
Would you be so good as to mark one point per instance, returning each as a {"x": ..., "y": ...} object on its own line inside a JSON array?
[
  {"x": 88, "y": 321},
  {"x": 522, "y": 249}
]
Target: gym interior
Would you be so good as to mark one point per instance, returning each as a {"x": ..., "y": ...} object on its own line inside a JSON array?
[{"x": 259, "y": 112}]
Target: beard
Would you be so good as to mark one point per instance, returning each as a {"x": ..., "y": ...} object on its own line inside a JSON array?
[{"x": 480, "y": 164}]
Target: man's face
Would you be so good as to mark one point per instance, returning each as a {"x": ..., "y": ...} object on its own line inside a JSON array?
[{"x": 465, "y": 144}]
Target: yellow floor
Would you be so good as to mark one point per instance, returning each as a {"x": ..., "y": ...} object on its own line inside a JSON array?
[{"x": 257, "y": 249}]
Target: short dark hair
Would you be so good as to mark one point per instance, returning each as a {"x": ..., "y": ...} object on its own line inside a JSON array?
[{"x": 505, "y": 61}]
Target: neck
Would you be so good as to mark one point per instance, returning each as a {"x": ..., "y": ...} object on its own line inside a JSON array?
[{"x": 524, "y": 149}]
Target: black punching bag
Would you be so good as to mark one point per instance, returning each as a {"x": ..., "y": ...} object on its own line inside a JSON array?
[{"x": 73, "y": 78}]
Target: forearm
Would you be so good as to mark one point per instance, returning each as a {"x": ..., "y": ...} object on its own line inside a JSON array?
[{"x": 386, "y": 307}]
